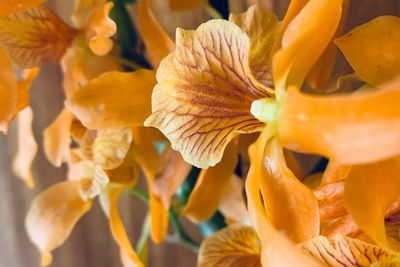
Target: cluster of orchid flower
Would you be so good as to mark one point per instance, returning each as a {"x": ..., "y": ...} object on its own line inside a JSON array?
[{"x": 230, "y": 105}]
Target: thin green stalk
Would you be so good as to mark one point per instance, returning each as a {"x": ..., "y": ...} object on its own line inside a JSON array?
[
  {"x": 212, "y": 12},
  {"x": 183, "y": 236},
  {"x": 139, "y": 194}
]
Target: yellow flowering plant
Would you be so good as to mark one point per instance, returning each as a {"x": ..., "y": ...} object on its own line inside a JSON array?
[{"x": 219, "y": 123}]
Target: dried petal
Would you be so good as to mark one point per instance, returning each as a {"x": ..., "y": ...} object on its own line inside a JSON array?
[
  {"x": 114, "y": 100},
  {"x": 204, "y": 92},
  {"x": 372, "y": 49},
  {"x": 35, "y": 36},
  {"x": 53, "y": 215}
]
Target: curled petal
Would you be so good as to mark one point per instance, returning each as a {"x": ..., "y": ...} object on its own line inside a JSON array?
[
  {"x": 114, "y": 100},
  {"x": 35, "y": 36},
  {"x": 27, "y": 147},
  {"x": 158, "y": 43},
  {"x": 53, "y": 215},
  {"x": 369, "y": 192},
  {"x": 234, "y": 246},
  {"x": 12, "y": 6},
  {"x": 305, "y": 33},
  {"x": 8, "y": 91},
  {"x": 260, "y": 25},
  {"x": 206, "y": 196},
  {"x": 57, "y": 138},
  {"x": 372, "y": 49},
  {"x": 204, "y": 92},
  {"x": 350, "y": 129},
  {"x": 182, "y": 5}
]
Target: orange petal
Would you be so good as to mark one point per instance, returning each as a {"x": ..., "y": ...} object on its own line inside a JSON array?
[
  {"x": 232, "y": 204},
  {"x": 35, "y": 36},
  {"x": 100, "y": 29},
  {"x": 344, "y": 251},
  {"x": 57, "y": 138},
  {"x": 234, "y": 246},
  {"x": 206, "y": 196},
  {"x": 53, "y": 215},
  {"x": 8, "y": 91},
  {"x": 13, "y": 6},
  {"x": 27, "y": 147},
  {"x": 83, "y": 11},
  {"x": 351, "y": 129},
  {"x": 173, "y": 172},
  {"x": 182, "y": 5},
  {"x": 24, "y": 86},
  {"x": 98, "y": 105},
  {"x": 204, "y": 92},
  {"x": 260, "y": 25},
  {"x": 369, "y": 192},
  {"x": 305, "y": 33},
  {"x": 335, "y": 172},
  {"x": 329, "y": 191},
  {"x": 372, "y": 49},
  {"x": 158, "y": 43}
]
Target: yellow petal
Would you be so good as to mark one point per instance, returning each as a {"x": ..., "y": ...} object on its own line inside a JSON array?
[
  {"x": 350, "y": 129},
  {"x": 309, "y": 32},
  {"x": 35, "y": 36},
  {"x": 260, "y": 25},
  {"x": 100, "y": 29},
  {"x": 57, "y": 138},
  {"x": 114, "y": 100},
  {"x": 8, "y": 91},
  {"x": 182, "y": 5},
  {"x": 27, "y": 147},
  {"x": 204, "y": 92},
  {"x": 369, "y": 191},
  {"x": 372, "y": 49},
  {"x": 205, "y": 198},
  {"x": 53, "y": 215},
  {"x": 13, "y": 6},
  {"x": 158, "y": 43},
  {"x": 234, "y": 246},
  {"x": 344, "y": 251}
]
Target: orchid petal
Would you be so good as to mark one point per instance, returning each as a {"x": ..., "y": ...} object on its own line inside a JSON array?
[{"x": 12, "y": 6}]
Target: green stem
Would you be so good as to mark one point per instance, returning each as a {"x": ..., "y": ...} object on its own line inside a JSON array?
[
  {"x": 212, "y": 12},
  {"x": 139, "y": 194},
  {"x": 183, "y": 236}
]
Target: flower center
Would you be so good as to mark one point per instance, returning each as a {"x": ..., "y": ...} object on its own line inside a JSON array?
[{"x": 265, "y": 109}]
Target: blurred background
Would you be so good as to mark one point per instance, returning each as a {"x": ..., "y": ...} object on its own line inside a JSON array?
[{"x": 90, "y": 243}]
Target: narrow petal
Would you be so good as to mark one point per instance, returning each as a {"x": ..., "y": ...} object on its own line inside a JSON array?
[
  {"x": 114, "y": 100},
  {"x": 260, "y": 25},
  {"x": 206, "y": 196},
  {"x": 12, "y": 6},
  {"x": 234, "y": 246},
  {"x": 204, "y": 92},
  {"x": 27, "y": 148},
  {"x": 372, "y": 49},
  {"x": 345, "y": 251},
  {"x": 24, "y": 85},
  {"x": 35, "y": 36},
  {"x": 8, "y": 91},
  {"x": 158, "y": 43},
  {"x": 57, "y": 138},
  {"x": 53, "y": 215},
  {"x": 369, "y": 192},
  {"x": 307, "y": 34},
  {"x": 350, "y": 129},
  {"x": 182, "y": 5}
]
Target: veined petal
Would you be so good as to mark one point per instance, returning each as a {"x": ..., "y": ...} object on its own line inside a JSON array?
[
  {"x": 158, "y": 43},
  {"x": 204, "y": 92},
  {"x": 13, "y": 6},
  {"x": 114, "y": 100},
  {"x": 53, "y": 215},
  {"x": 205, "y": 198},
  {"x": 234, "y": 246},
  {"x": 8, "y": 91},
  {"x": 182, "y": 5},
  {"x": 345, "y": 251},
  {"x": 27, "y": 147},
  {"x": 57, "y": 138},
  {"x": 350, "y": 129},
  {"x": 35, "y": 36},
  {"x": 372, "y": 49},
  {"x": 305, "y": 33},
  {"x": 260, "y": 25},
  {"x": 369, "y": 192}
]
